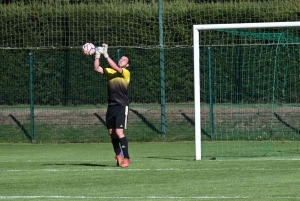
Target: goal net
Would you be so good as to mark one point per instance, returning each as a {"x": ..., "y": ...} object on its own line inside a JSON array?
[{"x": 246, "y": 89}]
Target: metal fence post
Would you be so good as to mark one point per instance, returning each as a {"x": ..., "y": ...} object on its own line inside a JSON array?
[{"x": 31, "y": 88}]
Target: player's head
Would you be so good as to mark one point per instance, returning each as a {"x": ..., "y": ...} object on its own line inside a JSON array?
[{"x": 124, "y": 62}]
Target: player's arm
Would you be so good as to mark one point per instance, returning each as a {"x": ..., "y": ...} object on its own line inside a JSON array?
[
  {"x": 111, "y": 62},
  {"x": 114, "y": 65},
  {"x": 97, "y": 66}
]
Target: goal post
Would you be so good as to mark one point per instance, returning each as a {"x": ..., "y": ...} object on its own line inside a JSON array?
[{"x": 197, "y": 29}]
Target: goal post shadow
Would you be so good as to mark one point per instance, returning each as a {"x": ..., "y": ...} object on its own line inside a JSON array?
[{"x": 280, "y": 119}]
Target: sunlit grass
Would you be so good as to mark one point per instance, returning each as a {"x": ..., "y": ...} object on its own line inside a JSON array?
[{"x": 159, "y": 171}]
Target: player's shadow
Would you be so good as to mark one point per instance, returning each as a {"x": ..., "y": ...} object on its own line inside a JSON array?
[
  {"x": 144, "y": 120},
  {"x": 26, "y": 133},
  {"x": 77, "y": 164},
  {"x": 193, "y": 123},
  {"x": 100, "y": 118},
  {"x": 184, "y": 158}
]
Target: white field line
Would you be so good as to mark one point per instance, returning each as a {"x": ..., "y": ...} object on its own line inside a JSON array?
[{"x": 147, "y": 197}]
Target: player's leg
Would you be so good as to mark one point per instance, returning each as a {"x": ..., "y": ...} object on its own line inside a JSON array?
[
  {"x": 116, "y": 145},
  {"x": 110, "y": 122},
  {"x": 124, "y": 146},
  {"x": 115, "y": 141},
  {"x": 121, "y": 124}
]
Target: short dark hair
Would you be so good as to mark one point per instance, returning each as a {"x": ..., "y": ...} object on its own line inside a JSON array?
[{"x": 129, "y": 61}]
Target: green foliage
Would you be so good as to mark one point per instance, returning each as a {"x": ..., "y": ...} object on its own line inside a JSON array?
[
  {"x": 61, "y": 77},
  {"x": 14, "y": 81},
  {"x": 126, "y": 24},
  {"x": 64, "y": 76},
  {"x": 68, "y": 78}
]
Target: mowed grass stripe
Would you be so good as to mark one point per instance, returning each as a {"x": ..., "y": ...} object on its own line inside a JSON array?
[
  {"x": 159, "y": 171},
  {"x": 169, "y": 169},
  {"x": 148, "y": 197}
]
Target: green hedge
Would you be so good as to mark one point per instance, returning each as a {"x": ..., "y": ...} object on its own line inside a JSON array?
[
  {"x": 64, "y": 76},
  {"x": 122, "y": 24},
  {"x": 68, "y": 78}
]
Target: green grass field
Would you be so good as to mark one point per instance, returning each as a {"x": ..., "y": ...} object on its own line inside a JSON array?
[{"x": 159, "y": 171}]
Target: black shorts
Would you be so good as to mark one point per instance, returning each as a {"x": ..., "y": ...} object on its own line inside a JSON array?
[{"x": 116, "y": 116}]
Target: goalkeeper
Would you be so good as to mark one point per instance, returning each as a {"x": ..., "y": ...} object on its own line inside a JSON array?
[{"x": 117, "y": 110}]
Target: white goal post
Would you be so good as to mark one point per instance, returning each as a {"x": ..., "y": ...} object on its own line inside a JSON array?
[{"x": 196, "y": 32}]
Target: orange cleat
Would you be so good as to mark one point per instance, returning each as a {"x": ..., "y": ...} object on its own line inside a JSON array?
[
  {"x": 119, "y": 159},
  {"x": 125, "y": 163}
]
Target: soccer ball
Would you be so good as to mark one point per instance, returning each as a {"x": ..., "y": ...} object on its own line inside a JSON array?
[{"x": 88, "y": 49}]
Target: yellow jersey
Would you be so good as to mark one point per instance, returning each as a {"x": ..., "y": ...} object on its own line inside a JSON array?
[{"x": 117, "y": 86}]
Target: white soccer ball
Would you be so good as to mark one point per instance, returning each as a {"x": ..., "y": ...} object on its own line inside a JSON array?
[{"x": 88, "y": 49}]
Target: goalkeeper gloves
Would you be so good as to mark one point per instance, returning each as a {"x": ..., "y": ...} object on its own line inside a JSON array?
[
  {"x": 105, "y": 47},
  {"x": 99, "y": 51}
]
